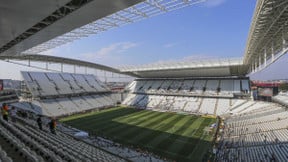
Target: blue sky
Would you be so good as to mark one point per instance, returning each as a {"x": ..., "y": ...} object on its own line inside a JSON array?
[
  {"x": 213, "y": 29},
  {"x": 216, "y": 28}
]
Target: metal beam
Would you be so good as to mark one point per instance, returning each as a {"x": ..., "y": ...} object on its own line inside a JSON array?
[
  {"x": 140, "y": 11},
  {"x": 55, "y": 16}
]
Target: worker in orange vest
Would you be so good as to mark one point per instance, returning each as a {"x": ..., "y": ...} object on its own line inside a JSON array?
[
  {"x": 52, "y": 126},
  {"x": 5, "y": 111}
]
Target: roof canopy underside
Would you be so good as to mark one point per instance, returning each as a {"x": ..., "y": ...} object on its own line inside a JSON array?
[
  {"x": 29, "y": 23},
  {"x": 18, "y": 16},
  {"x": 63, "y": 21},
  {"x": 197, "y": 72},
  {"x": 25, "y": 26},
  {"x": 200, "y": 68}
]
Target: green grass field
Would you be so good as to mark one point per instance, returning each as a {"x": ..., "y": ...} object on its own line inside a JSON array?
[{"x": 174, "y": 136}]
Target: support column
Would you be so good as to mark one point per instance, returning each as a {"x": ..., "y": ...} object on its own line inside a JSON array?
[
  {"x": 272, "y": 55},
  {"x": 105, "y": 77},
  {"x": 259, "y": 62},
  {"x": 283, "y": 42},
  {"x": 46, "y": 65},
  {"x": 265, "y": 57},
  {"x": 255, "y": 64},
  {"x": 74, "y": 69},
  {"x": 61, "y": 67}
]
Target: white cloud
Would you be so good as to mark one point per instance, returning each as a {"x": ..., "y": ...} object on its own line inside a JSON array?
[
  {"x": 128, "y": 45},
  {"x": 214, "y": 3},
  {"x": 169, "y": 45},
  {"x": 108, "y": 50}
]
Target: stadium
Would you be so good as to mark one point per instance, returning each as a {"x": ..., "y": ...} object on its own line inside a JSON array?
[{"x": 189, "y": 110}]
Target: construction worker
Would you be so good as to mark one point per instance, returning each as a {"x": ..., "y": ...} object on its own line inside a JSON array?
[
  {"x": 5, "y": 111},
  {"x": 52, "y": 126}
]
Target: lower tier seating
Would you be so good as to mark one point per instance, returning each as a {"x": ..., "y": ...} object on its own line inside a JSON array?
[{"x": 257, "y": 134}]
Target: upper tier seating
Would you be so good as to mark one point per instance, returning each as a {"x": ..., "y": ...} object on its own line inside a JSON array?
[
  {"x": 201, "y": 96},
  {"x": 43, "y": 84},
  {"x": 8, "y": 96},
  {"x": 194, "y": 87},
  {"x": 58, "y": 94}
]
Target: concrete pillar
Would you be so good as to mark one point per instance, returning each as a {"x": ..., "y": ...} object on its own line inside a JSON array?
[
  {"x": 283, "y": 42},
  {"x": 255, "y": 65},
  {"x": 105, "y": 77},
  {"x": 265, "y": 57},
  {"x": 259, "y": 61},
  {"x": 272, "y": 55}
]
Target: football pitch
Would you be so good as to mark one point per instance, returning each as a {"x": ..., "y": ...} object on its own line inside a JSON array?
[{"x": 174, "y": 136}]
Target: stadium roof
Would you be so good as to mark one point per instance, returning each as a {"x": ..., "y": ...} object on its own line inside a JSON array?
[
  {"x": 267, "y": 39},
  {"x": 194, "y": 68},
  {"x": 34, "y": 26},
  {"x": 62, "y": 60},
  {"x": 188, "y": 68},
  {"x": 25, "y": 24},
  {"x": 47, "y": 24}
]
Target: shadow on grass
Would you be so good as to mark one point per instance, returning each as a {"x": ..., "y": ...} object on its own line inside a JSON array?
[{"x": 176, "y": 146}]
